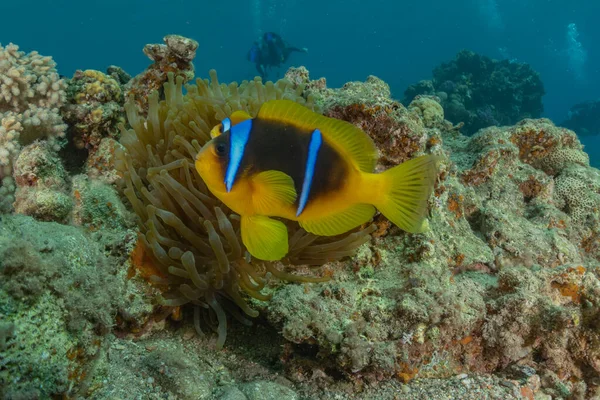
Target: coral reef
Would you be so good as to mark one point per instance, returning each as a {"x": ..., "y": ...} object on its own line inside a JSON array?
[
  {"x": 94, "y": 108},
  {"x": 60, "y": 290},
  {"x": 42, "y": 189},
  {"x": 482, "y": 92},
  {"x": 584, "y": 118},
  {"x": 499, "y": 300},
  {"x": 507, "y": 277},
  {"x": 31, "y": 93},
  {"x": 28, "y": 79},
  {"x": 175, "y": 56}
]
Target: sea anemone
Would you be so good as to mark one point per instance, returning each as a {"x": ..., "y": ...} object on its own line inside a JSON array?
[{"x": 193, "y": 238}]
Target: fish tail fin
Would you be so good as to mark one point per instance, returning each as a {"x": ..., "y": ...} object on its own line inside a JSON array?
[
  {"x": 265, "y": 238},
  {"x": 406, "y": 190}
]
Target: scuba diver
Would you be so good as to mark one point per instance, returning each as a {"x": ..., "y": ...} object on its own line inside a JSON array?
[{"x": 270, "y": 51}]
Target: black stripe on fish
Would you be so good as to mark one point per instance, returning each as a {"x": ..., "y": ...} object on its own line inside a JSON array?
[
  {"x": 273, "y": 145},
  {"x": 221, "y": 144}
]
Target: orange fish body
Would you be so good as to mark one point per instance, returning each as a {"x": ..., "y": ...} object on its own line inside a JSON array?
[{"x": 290, "y": 162}]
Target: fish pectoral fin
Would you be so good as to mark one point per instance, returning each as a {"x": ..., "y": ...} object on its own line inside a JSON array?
[
  {"x": 271, "y": 190},
  {"x": 265, "y": 238},
  {"x": 341, "y": 222},
  {"x": 239, "y": 116}
]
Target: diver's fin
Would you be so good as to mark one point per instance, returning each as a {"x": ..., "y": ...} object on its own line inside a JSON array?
[
  {"x": 270, "y": 190},
  {"x": 345, "y": 137},
  {"x": 408, "y": 187},
  {"x": 339, "y": 223},
  {"x": 265, "y": 238}
]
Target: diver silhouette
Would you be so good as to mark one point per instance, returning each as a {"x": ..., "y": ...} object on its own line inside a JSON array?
[{"x": 269, "y": 51}]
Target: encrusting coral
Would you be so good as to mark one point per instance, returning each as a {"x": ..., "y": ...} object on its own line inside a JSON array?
[
  {"x": 193, "y": 240},
  {"x": 41, "y": 180},
  {"x": 94, "y": 108}
]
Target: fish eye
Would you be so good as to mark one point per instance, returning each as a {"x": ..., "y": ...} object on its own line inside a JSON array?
[{"x": 221, "y": 149}]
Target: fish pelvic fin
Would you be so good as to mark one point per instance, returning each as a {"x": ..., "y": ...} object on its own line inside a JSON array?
[
  {"x": 265, "y": 238},
  {"x": 405, "y": 191}
]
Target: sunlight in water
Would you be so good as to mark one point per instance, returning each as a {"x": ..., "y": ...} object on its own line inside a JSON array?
[
  {"x": 489, "y": 10},
  {"x": 576, "y": 53}
]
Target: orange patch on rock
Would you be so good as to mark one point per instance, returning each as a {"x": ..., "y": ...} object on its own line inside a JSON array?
[
  {"x": 407, "y": 373},
  {"x": 527, "y": 393},
  {"x": 455, "y": 205},
  {"x": 568, "y": 285},
  {"x": 466, "y": 340}
]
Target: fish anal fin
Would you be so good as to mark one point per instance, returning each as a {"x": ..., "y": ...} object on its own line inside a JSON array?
[
  {"x": 265, "y": 238},
  {"x": 272, "y": 190},
  {"x": 336, "y": 224},
  {"x": 348, "y": 139}
]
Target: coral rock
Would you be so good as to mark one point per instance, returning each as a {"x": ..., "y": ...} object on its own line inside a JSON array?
[
  {"x": 428, "y": 109},
  {"x": 42, "y": 190},
  {"x": 174, "y": 56},
  {"x": 482, "y": 92},
  {"x": 28, "y": 79},
  {"x": 94, "y": 109},
  {"x": 30, "y": 94}
]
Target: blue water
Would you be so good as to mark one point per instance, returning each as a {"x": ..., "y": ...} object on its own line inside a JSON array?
[{"x": 399, "y": 41}]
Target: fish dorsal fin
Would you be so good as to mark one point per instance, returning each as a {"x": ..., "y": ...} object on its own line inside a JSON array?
[
  {"x": 238, "y": 116},
  {"x": 336, "y": 224},
  {"x": 235, "y": 118},
  {"x": 272, "y": 190},
  {"x": 346, "y": 138},
  {"x": 264, "y": 237}
]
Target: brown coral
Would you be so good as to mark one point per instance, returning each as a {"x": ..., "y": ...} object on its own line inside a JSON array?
[
  {"x": 547, "y": 147},
  {"x": 94, "y": 108},
  {"x": 175, "y": 56},
  {"x": 194, "y": 240}
]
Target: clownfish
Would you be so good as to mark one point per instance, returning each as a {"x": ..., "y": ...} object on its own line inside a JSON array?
[{"x": 292, "y": 163}]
